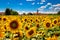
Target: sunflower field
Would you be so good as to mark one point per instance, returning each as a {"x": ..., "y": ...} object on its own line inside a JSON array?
[{"x": 32, "y": 27}]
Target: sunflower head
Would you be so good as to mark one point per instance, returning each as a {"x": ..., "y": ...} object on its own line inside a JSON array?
[
  {"x": 14, "y": 24},
  {"x": 2, "y": 34},
  {"x": 41, "y": 33},
  {"x": 55, "y": 21},
  {"x": 52, "y": 38},
  {"x": 27, "y": 27},
  {"x": 31, "y": 32},
  {"x": 19, "y": 33},
  {"x": 5, "y": 18},
  {"x": 47, "y": 24}
]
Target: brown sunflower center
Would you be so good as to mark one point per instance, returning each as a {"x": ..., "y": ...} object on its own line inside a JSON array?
[
  {"x": 37, "y": 25},
  {"x": 0, "y": 18},
  {"x": 26, "y": 28},
  {"x": 14, "y": 24},
  {"x": 55, "y": 22},
  {"x": 48, "y": 24},
  {"x": 25, "y": 19},
  {"x": 56, "y": 34},
  {"x": 31, "y": 32},
  {"x": 4, "y": 19}
]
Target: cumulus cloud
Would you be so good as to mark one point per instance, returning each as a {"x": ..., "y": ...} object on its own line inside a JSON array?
[
  {"x": 33, "y": 3},
  {"x": 41, "y": 3},
  {"x": 50, "y": 8},
  {"x": 55, "y": 7},
  {"x": 30, "y": 0},
  {"x": 49, "y": 4},
  {"x": 43, "y": 0},
  {"x": 43, "y": 7},
  {"x": 38, "y": 3}
]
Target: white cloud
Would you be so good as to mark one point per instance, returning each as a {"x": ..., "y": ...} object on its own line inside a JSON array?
[
  {"x": 57, "y": 9},
  {"x": 38, "y": 3},
  {"x": 41, "y": 3},
  {"x": 30, "y": 0},
  {"x": 43, "y": 7},
  {"x": 52, "y": 8},
  {"x": 49, "y": 12},
  {"x": 56, "y": 5},
  {"x": 49, "y": 4},
  {"x": 33, "y": 3},
  {"x": 43, "y": 0}
]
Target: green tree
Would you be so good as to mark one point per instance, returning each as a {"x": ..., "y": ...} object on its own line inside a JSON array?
[
  {"x": 58, "y": 12},
  {"x": 14, "y": 13},
  {"x": 10, "y": 12},
  {"x": 7, "y": 11}
]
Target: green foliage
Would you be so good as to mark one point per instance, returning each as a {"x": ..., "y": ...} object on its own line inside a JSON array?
[
  {"x": 7, "y": 11},
  {"x": 58, "y": 13},
  {"x": 10, "y": 12}
]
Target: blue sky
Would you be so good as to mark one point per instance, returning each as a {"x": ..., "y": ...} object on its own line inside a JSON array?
[{"x": 31, "y": 5}]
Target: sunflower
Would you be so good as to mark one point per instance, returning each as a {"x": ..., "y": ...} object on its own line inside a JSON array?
[
  {"x": 27, "y": 26},
  {"x": 0, "y": 18},
  {"x": 59, "y": 21},
  {"x": 47, "y": 24},
  {"x": 41, "y": 32},
  {"x": 31, "y": 32},
  {"x": 4, "y": 19},
  {"x": 21, "y": 33},
  {"x": 22, "y": 20},
  {"x": 55, "y": 21},
  {"x": 15, "y": 38},
  {"x": 37, "y": 25},
  {"x": 44, "y": 19},
  {"x": 14, "y": 25},
  {"x": 18, "y": 34},
  {"x": 32, "y": 19},
  {"x": 59, "y": 24},
  {"x": 49, "y": 38},
  {"x": 51, "y": 17},
  {"x": 2, "y": 34},
  {"x": 37, "y": 20},
  {"x": 52, "y": 38},
  {"x": 2, "y": 29},
  {"x": 25, "y": 19}
]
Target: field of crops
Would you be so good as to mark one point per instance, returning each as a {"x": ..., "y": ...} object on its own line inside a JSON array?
[{"x": 32, "y": 27}]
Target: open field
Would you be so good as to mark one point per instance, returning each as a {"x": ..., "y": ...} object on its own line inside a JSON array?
[{"x": 30, "y": 27}]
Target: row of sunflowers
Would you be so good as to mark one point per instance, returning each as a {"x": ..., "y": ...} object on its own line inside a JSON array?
[{"x": 32, "y": 27}]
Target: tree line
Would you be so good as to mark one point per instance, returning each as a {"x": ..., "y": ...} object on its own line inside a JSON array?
[{"x": 12, "y": 12}]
